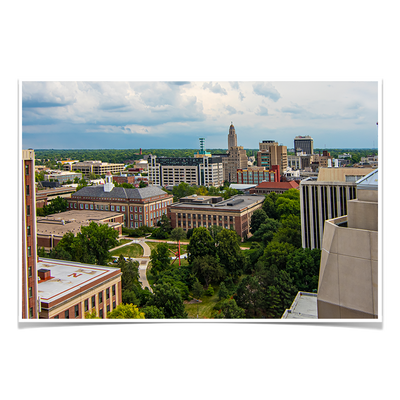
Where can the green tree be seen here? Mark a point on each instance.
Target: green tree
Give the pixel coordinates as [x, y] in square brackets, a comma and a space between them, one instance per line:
[152, 312]
[159, 258]
[201, 244]
[269, 205]
[259, 216]
[230, 310]
[290, 231]
[266, 231]
[286, 206]
[126, 311]
[165, 224]
[229, 253]
[168, 299]
[223, 291]
[214, 230]
[197, 289]
[183, 190]
[207, 269]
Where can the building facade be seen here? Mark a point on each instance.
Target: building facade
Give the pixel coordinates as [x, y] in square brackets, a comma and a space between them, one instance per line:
[265, 188]
[29, 292]
[234, 213]
[171, 171]
[235, 159]
[271, 153]
[256, 175]
[232, 137]
[94, 167]
[141, 206]
[348, 278]
[69, 289]
[304, 144]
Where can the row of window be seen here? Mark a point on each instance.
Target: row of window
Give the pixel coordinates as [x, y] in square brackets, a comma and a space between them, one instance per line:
[205, 225]
[204, 216]
[93, 304]
[135, 209]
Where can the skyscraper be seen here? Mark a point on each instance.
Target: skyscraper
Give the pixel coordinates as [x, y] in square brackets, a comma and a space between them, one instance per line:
[304, 144]
[232, 138]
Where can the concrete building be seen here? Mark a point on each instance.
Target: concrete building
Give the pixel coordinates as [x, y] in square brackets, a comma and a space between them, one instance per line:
[171, 171]
[62, 176]
[94, 167]
[326, 198]
[232, 137]
[304, 306]
[234, 213]
[348, 278]
[141, 206]
[323, 160]
[271, 153]
[68, 289]
[29, 294]
[304, 144]
[51, 229]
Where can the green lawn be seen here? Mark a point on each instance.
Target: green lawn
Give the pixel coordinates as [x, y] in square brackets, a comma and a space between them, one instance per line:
[134, 250]
[171, 246]
[206, 307]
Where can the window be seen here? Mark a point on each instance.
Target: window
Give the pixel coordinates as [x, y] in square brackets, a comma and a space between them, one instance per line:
[81, 206]
[27, 190]
[123, 208]
[107, 293]
[86, 206]
[130, 208]
[86, 305]
[113, 290]
[114, 304]
[30, 292]
[106, 207]
[140, 209]
[31, 312]
[29, 272]
[100, 297]
[56, 317]
[112, 208]
[108, 308]
[101, 207]
[29, 251]
[28, 210]
[28, 230]
[76, 311]
[101, 313]
[26, 169]
[91, 206]
[66, 314]
[131, 216]
[117, 208]
[93, 301]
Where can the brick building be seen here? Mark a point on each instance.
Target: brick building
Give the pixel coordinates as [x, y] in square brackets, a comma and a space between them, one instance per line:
[69, 289]
[234, 213]
[256, 175]
[141, 206]
[29, 295]
[52, 228]
[277, 187]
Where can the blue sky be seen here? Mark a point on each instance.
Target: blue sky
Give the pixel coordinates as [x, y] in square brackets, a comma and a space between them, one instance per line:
[73, 115]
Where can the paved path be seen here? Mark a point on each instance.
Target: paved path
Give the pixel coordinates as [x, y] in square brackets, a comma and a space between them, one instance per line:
[143, 261]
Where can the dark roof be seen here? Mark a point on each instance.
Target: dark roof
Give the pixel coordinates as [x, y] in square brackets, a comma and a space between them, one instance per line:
[119, 192]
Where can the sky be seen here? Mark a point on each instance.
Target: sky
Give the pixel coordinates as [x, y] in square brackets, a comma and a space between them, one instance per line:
[162, 114]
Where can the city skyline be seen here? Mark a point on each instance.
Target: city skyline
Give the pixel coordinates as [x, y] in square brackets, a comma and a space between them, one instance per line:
[121, 115]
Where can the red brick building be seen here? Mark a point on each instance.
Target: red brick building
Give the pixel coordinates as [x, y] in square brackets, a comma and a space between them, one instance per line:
[141, 206]
[29, 295]
[277, 187]
[234, 213]
[68, 289]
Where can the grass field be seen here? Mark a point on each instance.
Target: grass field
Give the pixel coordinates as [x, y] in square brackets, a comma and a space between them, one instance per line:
[171, 246]
[206, 307]
[133, 250]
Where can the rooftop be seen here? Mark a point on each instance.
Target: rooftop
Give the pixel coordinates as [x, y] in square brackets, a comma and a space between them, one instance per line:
[68, 277]
[120, 192]
[237, 203]
[72, 221]
[304, 306]
[278, 185]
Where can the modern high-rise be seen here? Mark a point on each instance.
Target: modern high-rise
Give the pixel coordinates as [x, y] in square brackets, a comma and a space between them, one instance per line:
[325, 198]
[29, 292]
[271, 153]
[304, 144]
[348, 277]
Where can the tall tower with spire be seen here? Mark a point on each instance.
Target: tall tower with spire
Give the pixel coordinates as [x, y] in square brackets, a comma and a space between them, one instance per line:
[232, 138]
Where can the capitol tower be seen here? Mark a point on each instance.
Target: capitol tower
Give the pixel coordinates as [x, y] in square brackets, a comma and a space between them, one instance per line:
[232, 138]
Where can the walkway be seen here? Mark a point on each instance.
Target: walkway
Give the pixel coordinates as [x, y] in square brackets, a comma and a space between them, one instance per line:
[143, 261]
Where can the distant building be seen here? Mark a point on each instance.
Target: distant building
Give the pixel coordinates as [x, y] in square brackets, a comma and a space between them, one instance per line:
[206, 171]
[235, 158]
[94, 167]
[348, 277]
[304, 144]
[265, 188]
[256, 175]
[271, 153]
[234, 213]
[62, 176]
[69, 289]
[323, 161]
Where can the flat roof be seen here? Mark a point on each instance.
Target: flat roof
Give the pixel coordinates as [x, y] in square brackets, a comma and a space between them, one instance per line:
[72, 221]
[304, 306]
[69, 277]
[236, 203]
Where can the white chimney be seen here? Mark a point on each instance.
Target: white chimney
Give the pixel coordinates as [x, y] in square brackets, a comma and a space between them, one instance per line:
[329, 163]
[336, 163]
